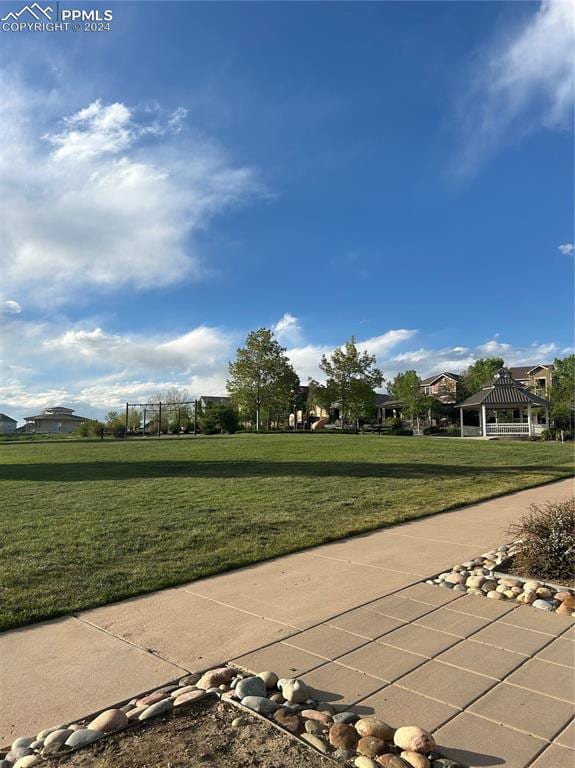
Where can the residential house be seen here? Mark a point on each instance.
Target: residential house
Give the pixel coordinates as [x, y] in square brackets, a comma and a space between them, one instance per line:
[442, 386]
[536, 378]
[54, 420]
[7, 424]
[205, 400]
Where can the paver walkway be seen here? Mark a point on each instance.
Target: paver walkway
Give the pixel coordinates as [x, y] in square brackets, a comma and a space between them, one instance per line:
[493, 680]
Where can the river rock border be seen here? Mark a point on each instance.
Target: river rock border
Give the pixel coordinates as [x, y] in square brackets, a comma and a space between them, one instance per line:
[345, 737]
[481, 576]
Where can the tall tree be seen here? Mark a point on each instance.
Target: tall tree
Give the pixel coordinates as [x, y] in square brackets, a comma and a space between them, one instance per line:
[562, 394]
[479, 374]
[262, 378]
[351, 379]
[407, 388]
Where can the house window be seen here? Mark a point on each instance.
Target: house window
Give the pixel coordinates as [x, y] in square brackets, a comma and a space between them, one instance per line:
[542, 383]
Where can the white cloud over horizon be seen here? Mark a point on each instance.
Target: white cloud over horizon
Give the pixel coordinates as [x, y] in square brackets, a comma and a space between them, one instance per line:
[522, 80]
[90, 205]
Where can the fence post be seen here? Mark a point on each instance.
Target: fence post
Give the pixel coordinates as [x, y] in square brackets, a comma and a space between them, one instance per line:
[126, 421]
[159, 419]
[195, 417]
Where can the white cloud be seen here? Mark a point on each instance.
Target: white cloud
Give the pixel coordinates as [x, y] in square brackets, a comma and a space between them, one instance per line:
[106, 200]
[522, 80]
[201, 348]
[288, 329]
[567, 249]
[10, 307]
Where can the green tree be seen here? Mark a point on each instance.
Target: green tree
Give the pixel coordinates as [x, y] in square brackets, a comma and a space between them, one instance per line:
[479, 374]
[90, 428]
[562, 393]
[262, 380]
[216, 419]
[351, 381]
[407, 388]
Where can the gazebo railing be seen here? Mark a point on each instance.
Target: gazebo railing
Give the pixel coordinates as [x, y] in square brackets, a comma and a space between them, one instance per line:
[514, 429]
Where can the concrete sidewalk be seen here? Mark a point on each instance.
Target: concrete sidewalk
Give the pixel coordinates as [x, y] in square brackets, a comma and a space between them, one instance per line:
[495, 678]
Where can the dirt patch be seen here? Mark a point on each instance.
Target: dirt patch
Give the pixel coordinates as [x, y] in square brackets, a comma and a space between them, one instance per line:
[201, 738]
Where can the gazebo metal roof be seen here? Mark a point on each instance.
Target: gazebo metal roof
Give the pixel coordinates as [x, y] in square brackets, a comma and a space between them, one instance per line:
[502, 391]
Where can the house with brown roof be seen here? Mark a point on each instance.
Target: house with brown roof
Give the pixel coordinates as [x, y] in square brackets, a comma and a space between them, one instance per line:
[537, 378]
[53, 421]
[442, 386]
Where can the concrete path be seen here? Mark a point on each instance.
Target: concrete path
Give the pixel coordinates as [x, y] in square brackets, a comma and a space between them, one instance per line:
[495, 679]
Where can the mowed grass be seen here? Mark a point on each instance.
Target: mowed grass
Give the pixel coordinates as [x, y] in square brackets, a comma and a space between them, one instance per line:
[86, 523]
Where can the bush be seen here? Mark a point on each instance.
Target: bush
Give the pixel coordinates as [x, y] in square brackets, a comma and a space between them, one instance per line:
[219, 418]
[547, 533]
[433, 430]
[401, 431]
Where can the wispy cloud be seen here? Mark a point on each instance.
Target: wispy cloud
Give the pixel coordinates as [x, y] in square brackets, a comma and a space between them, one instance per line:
[522, 80]
[567, 249]
[10, 307]
[106, 199]
[288, 329]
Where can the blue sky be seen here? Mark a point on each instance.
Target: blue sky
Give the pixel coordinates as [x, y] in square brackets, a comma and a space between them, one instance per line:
[401, 172]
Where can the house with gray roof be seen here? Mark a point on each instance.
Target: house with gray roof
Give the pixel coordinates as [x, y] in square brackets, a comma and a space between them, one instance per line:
[7, 424]
[53, 421]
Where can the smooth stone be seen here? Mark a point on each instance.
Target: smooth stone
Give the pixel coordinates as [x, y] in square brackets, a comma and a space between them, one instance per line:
[135, 713]
[455, 578]
[250, 686]
[446, 584]
[316, 742]
[239, 722]
[343, 736]
[532, 584]
[151, 698]
[191, 679]
[277, 697]
[474, 581]
[180, 690]
[188, 698]
[22, 741]
[5, 764]
[37, 744]
[321, 717]
[565, 608]
[16, 754]
[488, 585]
[365, 762]
[390, 761]
[372, 726]
[312, 726]
[159, 708]
[327, 708]
[82, 737]
[214, 677]
[48, 731]
[410, 738]
[58, 737]
[56, 748]
[460, 588]
[370, 746]
[345, 717]
[295, 691]
[495, 595]
[260, 704]
[543, 605]
[527, 597]
[509, 593]
[28, 762]
[270, 679]
[110, 720]
[291, 723]
[544, 592]
[510, 582]
[415, 759]
[561, 596]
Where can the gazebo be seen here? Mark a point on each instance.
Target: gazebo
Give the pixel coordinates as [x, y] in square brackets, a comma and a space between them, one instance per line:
[503, 393]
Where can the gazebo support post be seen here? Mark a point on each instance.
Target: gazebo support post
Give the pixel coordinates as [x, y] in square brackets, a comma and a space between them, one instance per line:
[461, 420]
[484, 420]
[547, 423]
[529, 421]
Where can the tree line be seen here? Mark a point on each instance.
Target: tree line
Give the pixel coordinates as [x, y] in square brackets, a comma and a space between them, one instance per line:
[265, 389]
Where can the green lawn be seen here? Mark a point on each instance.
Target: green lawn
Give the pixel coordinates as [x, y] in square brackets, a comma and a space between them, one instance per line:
[85, 523]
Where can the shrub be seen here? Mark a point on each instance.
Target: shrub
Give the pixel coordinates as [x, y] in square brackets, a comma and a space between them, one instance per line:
[401, 431]
[547, 533]
[433, 430]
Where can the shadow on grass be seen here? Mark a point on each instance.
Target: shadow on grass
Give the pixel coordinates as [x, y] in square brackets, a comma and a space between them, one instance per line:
[132, 470]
